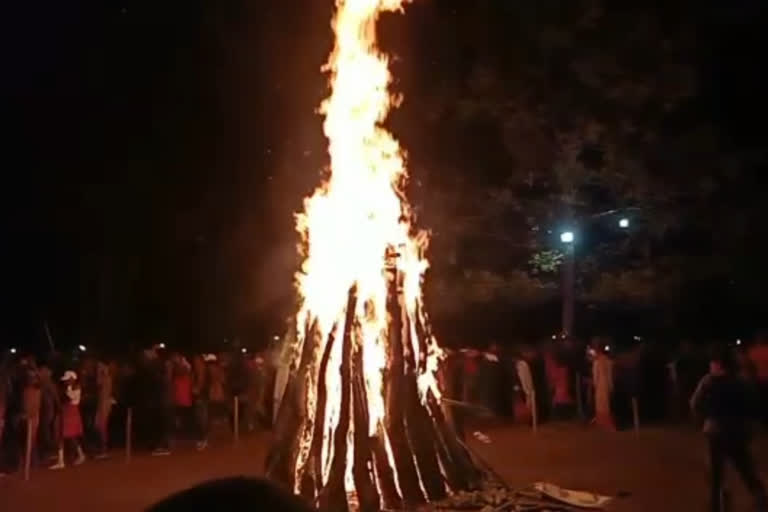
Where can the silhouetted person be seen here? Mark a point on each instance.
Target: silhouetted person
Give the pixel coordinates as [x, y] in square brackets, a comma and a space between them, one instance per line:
[725, 404]
[233, 495]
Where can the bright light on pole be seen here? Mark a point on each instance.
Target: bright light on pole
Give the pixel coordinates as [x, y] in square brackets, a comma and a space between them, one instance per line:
[624, 223]
[13, 350]
[566, 237]
[81, 347]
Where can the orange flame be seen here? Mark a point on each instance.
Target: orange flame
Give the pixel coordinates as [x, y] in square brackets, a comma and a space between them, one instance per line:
[353, 220]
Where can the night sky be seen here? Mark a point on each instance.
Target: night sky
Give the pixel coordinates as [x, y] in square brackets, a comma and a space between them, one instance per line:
[155, 152]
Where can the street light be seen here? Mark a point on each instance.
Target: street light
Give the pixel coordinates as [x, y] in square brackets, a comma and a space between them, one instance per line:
[624, 223]
[13, 350]
[81, 347]
[566, 237]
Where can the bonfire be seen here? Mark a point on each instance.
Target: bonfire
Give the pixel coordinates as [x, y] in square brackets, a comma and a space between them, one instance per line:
[360, 424]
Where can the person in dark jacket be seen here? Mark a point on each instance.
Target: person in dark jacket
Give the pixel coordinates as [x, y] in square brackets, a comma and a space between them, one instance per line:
[724, 403]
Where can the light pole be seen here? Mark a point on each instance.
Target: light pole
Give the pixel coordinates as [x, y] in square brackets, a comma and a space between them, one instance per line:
[569, 282]
[568, 238]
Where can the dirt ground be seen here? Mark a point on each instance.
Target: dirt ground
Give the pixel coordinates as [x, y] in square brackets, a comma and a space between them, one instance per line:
[660, 469]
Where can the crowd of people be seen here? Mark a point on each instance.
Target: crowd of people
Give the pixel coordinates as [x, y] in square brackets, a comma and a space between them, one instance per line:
[598, 381]
[723, 387]
[76, 408]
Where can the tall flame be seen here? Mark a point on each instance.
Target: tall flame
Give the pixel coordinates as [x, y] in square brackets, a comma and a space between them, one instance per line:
[354, 222]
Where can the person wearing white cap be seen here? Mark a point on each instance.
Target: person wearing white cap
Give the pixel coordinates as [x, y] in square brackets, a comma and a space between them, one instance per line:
[71, 422]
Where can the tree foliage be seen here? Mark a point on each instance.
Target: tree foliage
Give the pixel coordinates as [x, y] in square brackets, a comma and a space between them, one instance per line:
[557, 116]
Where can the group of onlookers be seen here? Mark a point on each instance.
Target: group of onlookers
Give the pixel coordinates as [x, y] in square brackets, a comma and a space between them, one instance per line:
[722, 386]
[598, 380]
[77, 408]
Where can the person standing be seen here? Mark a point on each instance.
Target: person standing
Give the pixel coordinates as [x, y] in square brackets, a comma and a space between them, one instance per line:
[71, 421]
[50, 412]
[255, 394]
[217, 396]
[200, 394]
[602, 378]
[525, 378]
[31, 403]
[559, 376]
[182, 394]
[104, 401]
[724, 403]
[5, 391]
[758, 355]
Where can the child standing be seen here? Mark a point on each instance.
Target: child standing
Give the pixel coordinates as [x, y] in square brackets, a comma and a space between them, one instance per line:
[71, 421]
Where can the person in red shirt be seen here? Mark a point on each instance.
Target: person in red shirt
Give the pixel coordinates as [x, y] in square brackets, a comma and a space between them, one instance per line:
[71, 421]
[182, 393]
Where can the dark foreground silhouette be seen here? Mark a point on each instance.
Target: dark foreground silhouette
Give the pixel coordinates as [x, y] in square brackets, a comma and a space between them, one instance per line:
[233, 495]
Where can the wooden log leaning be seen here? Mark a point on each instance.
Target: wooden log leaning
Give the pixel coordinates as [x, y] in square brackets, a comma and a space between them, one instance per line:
[385, 477]
[419, 426]
[459, 466]
[367, 495]
[282, 457]
[408, 478]
[314, 469]
[334, 496]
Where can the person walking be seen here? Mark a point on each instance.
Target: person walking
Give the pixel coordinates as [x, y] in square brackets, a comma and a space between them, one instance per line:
[724, 403]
